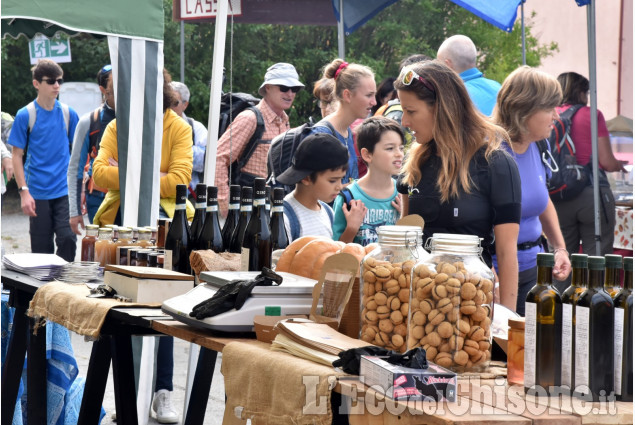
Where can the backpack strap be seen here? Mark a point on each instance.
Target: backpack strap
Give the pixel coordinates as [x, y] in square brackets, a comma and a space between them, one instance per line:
[190, 121]
[254, 141]
[548, 160]
[67, 118]
[32, 115]
[294, 223]
[347, 195]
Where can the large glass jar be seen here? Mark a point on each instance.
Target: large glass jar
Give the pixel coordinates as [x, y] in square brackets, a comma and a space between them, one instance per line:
[451, 303]
[386, 273]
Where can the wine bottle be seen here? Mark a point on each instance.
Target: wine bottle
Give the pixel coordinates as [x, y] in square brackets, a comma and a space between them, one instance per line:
[246, 198]
[256, 248]
[211, 237]
[268, 203]
[579, 279]
[178, 243]
[543, 329]
[280, 239]
[594, 320]
[199, 214]
[613, 274]
[623, 302]
[233, 215]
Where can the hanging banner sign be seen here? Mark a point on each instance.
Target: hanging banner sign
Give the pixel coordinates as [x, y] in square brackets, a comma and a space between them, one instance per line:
[206, 9]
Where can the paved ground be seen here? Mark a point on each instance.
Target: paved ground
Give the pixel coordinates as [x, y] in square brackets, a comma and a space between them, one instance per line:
[15, 238]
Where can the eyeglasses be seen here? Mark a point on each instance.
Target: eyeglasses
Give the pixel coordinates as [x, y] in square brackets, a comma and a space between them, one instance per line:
[59, 81]
[410, 76]
[284, 89]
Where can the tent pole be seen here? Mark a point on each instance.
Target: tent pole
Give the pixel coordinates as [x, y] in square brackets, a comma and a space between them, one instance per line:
[182, 52]
[522, 29]
[216, 91]
[340, 32]
[594, 121]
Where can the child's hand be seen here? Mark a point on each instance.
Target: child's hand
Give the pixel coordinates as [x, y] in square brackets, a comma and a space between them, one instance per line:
[396, 204]
[354, 215]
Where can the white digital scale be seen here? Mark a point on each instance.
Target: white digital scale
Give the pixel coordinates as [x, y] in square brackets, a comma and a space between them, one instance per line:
[293, 296]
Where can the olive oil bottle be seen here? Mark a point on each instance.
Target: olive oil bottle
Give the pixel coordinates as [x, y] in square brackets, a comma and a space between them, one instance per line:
[613, 274]
[594, 321]
[623, 302]
[543, 329]
[579, 281]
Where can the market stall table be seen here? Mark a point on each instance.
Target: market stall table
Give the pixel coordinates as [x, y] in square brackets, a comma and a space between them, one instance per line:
[479, 400]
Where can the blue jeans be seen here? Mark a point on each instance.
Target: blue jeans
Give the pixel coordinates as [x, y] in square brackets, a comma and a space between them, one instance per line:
[52, 223]
[93, 202]
[165, 364]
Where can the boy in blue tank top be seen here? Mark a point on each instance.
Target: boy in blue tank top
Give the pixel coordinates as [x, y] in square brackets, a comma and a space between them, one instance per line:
[373, 199]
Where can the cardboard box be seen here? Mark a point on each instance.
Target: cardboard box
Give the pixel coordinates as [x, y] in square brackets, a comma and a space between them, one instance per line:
[403, 383]
[147, 285]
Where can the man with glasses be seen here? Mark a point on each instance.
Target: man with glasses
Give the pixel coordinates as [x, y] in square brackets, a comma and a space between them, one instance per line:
[278, 91]
[88, 134]
[199, 133]
[44, 130]
[459, 53]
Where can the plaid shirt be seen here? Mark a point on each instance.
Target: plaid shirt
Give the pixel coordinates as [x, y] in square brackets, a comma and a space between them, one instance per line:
[242, 128]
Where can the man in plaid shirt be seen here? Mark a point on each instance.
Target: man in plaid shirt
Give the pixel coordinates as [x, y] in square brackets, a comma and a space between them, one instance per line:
[278, 93]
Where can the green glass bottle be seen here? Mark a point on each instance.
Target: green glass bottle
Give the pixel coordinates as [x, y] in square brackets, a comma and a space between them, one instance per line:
[543, 329]
[594, 320]
[613, 274]
[579, 281]
[623, 302]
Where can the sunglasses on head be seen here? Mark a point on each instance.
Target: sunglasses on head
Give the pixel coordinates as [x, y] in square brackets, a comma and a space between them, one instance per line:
[52, 82]
[284, 89]
[106, 68]
[410, 76]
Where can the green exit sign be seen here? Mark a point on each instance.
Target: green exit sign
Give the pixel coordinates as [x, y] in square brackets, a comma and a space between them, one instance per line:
[57, 48]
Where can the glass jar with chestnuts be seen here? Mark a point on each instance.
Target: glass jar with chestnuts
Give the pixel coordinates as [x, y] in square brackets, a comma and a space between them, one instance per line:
[451, 303]
[386, 273]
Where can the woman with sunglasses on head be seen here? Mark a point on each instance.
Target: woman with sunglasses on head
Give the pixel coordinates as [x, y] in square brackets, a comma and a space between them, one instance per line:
[456, 175]
[526, 108]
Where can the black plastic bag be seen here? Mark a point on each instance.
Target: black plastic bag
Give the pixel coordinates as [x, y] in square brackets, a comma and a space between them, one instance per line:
[233, 295]
[350, 359]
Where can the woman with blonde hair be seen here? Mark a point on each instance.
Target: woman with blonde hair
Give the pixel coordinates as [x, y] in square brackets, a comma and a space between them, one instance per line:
[354, 90]
[456, 176]
[526, 108]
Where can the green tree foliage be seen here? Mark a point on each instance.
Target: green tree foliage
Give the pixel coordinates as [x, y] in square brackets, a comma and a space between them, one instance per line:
[405, 28]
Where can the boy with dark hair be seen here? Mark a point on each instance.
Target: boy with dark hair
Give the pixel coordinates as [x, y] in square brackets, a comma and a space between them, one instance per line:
[44, 129]
[318, 167]
[88, 134]
[381, 143]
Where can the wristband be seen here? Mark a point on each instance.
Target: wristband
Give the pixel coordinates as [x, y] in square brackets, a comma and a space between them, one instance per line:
[555, 251]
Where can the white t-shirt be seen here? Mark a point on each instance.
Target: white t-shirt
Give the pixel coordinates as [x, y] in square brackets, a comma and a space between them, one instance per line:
[312, 223]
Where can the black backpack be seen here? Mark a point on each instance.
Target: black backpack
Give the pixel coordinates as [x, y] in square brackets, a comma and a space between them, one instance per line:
[568, 178]
[239, 102]
[283, 146]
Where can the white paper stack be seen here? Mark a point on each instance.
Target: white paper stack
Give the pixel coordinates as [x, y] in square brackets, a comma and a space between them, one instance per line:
[38, 266]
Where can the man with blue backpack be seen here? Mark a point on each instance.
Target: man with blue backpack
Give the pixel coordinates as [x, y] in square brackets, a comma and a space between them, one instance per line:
[88, 134]
[41, 138]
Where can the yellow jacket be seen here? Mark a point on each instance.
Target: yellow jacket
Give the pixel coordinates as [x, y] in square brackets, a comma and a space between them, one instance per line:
[176, 165]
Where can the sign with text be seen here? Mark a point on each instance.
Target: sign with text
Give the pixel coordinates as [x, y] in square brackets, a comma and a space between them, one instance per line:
[57, 48]
[206, 9]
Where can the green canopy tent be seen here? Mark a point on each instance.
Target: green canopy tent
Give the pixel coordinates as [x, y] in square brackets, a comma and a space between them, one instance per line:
[135, 38]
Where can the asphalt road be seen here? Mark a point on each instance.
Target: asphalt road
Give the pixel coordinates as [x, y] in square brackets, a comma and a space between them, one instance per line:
[15, 239]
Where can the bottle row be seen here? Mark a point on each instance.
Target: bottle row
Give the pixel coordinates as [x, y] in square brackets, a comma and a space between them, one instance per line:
[581, 340]
[250, 228]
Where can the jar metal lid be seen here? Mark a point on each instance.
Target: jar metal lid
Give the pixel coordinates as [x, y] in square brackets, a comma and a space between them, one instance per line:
[452, 242]
[399, 234]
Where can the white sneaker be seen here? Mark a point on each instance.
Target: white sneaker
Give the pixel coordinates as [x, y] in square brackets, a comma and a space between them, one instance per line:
[162, 406]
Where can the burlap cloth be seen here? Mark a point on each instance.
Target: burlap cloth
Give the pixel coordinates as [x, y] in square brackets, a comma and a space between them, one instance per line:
[67, 305]
[271, 387]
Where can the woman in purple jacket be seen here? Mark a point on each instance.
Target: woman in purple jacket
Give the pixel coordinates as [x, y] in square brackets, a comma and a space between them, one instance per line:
[526, 108]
